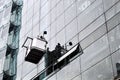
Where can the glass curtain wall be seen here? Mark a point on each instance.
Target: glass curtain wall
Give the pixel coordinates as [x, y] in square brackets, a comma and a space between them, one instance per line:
[95, 24]
[10, 64]
[5, 8]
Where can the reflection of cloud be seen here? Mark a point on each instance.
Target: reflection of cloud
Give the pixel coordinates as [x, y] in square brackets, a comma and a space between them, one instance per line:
[79, 0]
[119, 46]
[70, 1]
[2, 44]
[95, 54]
[100, 76]
[84, 5]
[112, 38]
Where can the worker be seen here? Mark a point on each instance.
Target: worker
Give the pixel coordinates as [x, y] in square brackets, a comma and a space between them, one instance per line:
[58, 51]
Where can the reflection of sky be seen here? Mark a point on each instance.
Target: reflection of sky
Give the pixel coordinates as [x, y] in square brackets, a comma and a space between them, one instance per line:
[1, 66]
[1, 3]
[3, 36]
[5, 7]
[2, 51]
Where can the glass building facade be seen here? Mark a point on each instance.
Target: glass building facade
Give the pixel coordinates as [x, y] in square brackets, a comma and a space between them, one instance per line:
[5, 10]
[94, 24]
[10, 24]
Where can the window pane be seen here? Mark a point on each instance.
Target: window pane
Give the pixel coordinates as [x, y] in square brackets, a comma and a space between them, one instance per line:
[94, 53]
[70, 14]
[61, 37]
[115, 59]
[114, 39]
[92, 27]
[77, 78]
[93, 36]
[69, 71]
[101, 71]
[90, 14]
[71, 30]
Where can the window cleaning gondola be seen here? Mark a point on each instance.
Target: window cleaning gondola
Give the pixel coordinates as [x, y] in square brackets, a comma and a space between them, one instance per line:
[36, 49]
[55, 59]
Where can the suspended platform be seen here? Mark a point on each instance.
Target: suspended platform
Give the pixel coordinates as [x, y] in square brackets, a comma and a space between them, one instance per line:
[35, 51]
